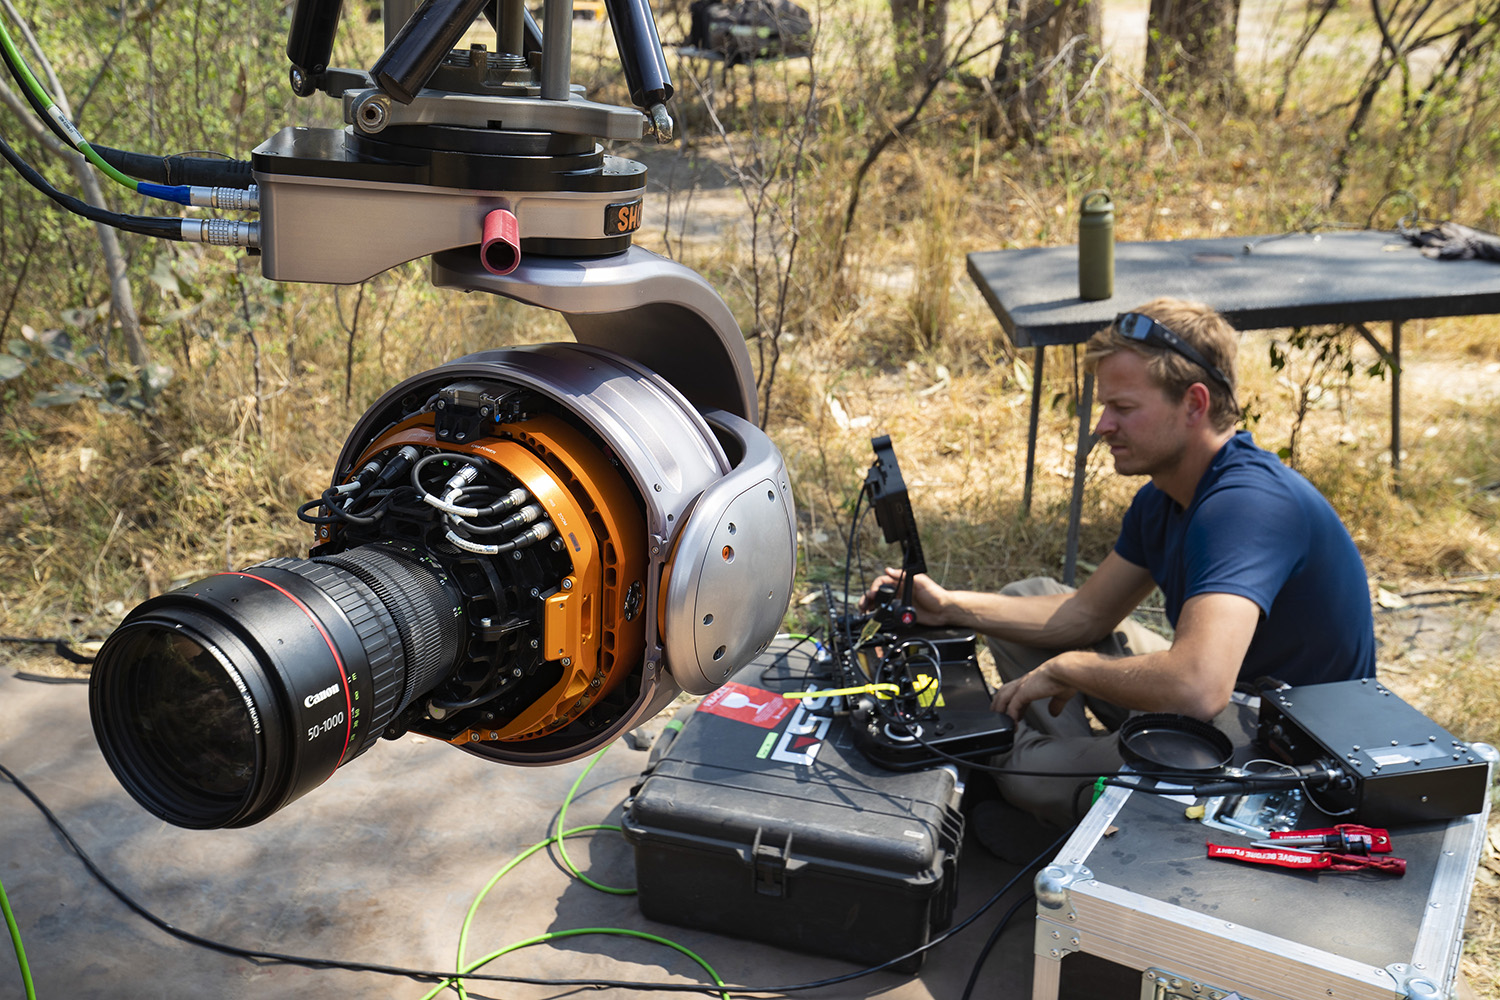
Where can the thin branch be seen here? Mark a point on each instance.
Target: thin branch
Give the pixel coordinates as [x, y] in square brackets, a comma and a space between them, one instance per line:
[107, 60]
[24, 113]
[353, 330]
[1166, 116]
[255, 366]
[41, 57]
[20, 281]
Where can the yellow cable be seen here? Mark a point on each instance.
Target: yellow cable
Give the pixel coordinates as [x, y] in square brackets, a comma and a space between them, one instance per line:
[924, 681]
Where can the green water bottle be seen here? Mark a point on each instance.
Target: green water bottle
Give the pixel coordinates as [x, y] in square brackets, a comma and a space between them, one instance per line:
[1096, 246]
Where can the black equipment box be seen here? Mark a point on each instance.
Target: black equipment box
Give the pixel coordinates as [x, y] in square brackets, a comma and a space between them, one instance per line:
[1402, 766]
[761, 820]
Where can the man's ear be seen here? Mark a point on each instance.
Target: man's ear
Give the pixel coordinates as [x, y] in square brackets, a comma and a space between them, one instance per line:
[1198, 400]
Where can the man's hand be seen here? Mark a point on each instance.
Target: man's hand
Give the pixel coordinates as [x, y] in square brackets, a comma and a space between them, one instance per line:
[1014, 696]
[930, 600]
[1194, 677]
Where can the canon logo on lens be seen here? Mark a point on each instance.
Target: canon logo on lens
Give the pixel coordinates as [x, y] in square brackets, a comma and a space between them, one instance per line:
[322, 695]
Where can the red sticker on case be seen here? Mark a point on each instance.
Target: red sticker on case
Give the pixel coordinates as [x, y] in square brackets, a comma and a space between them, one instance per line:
[747, 704]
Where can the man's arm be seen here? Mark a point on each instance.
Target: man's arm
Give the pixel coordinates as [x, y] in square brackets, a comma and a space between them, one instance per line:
[1194, 677]
[1049, 621]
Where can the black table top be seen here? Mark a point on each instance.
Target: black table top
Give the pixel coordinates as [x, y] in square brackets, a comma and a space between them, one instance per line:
[1297, 280]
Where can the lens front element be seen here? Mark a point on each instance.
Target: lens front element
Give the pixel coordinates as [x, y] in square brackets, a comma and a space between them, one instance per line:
[192, 722]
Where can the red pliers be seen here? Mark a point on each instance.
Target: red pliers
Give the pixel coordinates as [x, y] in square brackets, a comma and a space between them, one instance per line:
[1343, 848]
[1346, 838]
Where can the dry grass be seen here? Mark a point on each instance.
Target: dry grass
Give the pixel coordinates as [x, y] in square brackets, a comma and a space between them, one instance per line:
[100, 511]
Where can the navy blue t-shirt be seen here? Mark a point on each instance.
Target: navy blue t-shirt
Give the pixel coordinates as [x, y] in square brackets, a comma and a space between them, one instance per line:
[1260, 530]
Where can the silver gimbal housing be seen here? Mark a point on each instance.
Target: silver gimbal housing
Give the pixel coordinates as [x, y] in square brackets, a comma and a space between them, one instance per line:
[525, 552]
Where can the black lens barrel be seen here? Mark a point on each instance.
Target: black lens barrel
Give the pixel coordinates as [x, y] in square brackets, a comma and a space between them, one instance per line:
[428, 617]
[221, 702]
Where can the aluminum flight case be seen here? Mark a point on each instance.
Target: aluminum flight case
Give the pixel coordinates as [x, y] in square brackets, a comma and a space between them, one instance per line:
[760, 820]
[1131, 906]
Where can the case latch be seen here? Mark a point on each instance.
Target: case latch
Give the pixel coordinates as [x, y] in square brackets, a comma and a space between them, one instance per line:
[1159, 984]
[769, 863]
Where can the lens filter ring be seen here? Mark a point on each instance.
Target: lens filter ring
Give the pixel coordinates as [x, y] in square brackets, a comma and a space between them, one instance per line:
[178, 722]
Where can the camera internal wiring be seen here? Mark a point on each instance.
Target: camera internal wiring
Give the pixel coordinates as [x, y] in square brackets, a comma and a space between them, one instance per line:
[369, 495]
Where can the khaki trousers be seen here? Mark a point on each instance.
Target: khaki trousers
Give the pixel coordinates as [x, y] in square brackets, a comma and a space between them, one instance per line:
[1066, 743]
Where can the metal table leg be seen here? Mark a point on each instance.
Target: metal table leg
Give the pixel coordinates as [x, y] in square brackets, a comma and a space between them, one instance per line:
[1036, 412]
[1396, 404]
[1392, 357]
[1080, 466]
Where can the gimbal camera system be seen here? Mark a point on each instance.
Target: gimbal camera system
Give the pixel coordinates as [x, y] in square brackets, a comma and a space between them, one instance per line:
[523, 552]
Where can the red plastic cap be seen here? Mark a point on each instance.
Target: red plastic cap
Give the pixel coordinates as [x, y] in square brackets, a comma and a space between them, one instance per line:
[500, 253]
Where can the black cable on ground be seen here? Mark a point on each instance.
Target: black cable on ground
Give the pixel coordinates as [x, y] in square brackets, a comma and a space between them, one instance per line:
[432, 976]
[984, 953]
[62, 647]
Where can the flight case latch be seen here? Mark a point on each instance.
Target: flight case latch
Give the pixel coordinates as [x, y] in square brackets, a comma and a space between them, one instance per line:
[1159, 984]
[770, 863]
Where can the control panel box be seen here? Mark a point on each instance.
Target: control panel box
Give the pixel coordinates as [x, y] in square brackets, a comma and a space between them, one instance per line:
[1402, 767]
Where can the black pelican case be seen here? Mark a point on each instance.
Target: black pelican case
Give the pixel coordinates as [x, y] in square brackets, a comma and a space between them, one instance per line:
[760, 820]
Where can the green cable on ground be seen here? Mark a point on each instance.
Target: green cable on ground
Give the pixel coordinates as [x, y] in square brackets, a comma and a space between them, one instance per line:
[15, 938]
[799, 636]
[462, 966]
[463, 933]
[619, 931]
[30, 82]
[563, 851]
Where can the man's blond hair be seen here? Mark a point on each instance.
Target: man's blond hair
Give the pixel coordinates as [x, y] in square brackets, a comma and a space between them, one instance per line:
[1201, 327]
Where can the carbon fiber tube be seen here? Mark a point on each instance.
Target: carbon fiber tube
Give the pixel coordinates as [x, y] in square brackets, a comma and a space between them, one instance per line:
[641, 57]
[531, 33]
[413, 56]
[309, 41]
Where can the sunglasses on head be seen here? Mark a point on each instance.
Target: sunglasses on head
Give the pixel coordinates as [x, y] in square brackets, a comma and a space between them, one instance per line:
[1138, 326]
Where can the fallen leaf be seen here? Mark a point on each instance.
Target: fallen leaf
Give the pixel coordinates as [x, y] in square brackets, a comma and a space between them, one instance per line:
[1389, 599]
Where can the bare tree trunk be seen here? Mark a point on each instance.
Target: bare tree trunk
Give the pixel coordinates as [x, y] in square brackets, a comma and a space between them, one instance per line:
[1048, 45]
[121, 299]
[921, 27]
[1190, 46]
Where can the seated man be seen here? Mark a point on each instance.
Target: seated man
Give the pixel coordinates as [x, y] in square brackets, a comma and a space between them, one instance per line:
[1261, 578]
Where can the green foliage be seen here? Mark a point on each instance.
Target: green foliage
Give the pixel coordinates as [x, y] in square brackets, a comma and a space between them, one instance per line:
[91, 377]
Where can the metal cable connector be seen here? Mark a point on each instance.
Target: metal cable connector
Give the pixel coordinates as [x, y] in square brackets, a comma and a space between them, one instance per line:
[227, 198]
[221, 232]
